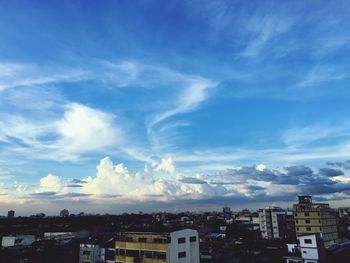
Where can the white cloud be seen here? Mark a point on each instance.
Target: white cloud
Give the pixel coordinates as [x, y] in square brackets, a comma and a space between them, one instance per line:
[50, 183]
[84, 129]
[117, 180]
[308, 134]
[196, 91]
[263, 30]
[323, 73]
[20, 75]
[80, 130]
[166, 165]
[260, 167]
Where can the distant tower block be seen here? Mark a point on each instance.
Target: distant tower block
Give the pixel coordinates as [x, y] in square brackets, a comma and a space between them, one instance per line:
[11, 214]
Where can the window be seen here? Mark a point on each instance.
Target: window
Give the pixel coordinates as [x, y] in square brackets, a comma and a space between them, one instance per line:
[320, 228]
[307, 241]
[86, 252]
[147, 254]
[182, 254]
[159, 240]
[159, 255]
[296, 221]
[308, 229]
[297, 228]
[142, 239]
[296, 214]
[132, 253]
[307, 214]
[307, 221]
[193, 239]
[181, 240]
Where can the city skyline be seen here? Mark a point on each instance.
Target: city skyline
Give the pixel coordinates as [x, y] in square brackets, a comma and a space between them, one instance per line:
[116, 106]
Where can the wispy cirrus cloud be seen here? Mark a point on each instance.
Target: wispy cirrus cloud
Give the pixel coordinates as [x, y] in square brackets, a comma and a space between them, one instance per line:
[22, 75]
[263, 30]
[323, 73]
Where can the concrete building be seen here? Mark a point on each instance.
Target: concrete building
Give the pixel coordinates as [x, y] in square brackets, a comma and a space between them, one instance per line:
[312, 218]
[175, 247]
[20, 240]
[227, 213]
[11, 214]
[309, 250]
[91, 253]
[272, 223]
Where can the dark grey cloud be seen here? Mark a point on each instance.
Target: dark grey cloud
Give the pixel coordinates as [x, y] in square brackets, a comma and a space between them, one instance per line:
[330, 172]
[299, 170]
[192, 180]
[306, 179]
[109, 195]
[250, 172]
[72, 194]
[344, 165]
[74, 185]
[78, 181]
[43, 194]
[320, 189]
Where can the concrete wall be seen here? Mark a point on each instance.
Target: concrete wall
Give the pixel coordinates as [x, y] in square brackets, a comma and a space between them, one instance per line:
[190, 248]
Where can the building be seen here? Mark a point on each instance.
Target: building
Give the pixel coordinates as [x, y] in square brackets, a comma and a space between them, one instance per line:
[20, 240]
[175, 247]
[91, 253]
[11, 214]
[310, 249]
[312, 218]
[227, 213]
[272, 223]
[64, 213]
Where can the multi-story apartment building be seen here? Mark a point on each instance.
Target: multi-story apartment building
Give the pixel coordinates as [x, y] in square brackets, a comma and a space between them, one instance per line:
[312, 218]
[175, 247]
[90, 253]
[310, 249]
[272, 222]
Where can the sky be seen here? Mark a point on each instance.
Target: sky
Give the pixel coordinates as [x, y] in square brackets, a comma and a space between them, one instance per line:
[124, 106]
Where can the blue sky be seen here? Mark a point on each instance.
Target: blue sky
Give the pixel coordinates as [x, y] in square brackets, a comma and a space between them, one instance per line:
[171, 104]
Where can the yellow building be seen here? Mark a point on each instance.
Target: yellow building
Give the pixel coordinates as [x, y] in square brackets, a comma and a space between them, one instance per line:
[175, 247]
[312, 218]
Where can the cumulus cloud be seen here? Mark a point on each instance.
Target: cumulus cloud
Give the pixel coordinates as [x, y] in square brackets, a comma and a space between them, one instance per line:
[50, 183]
[116, 179]
[116, 182]
[166, 165]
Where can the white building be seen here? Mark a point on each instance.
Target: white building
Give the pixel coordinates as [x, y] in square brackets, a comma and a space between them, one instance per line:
[175, 247]
[91, 253]
[309, 250]
[272, 223]
[22, 240]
